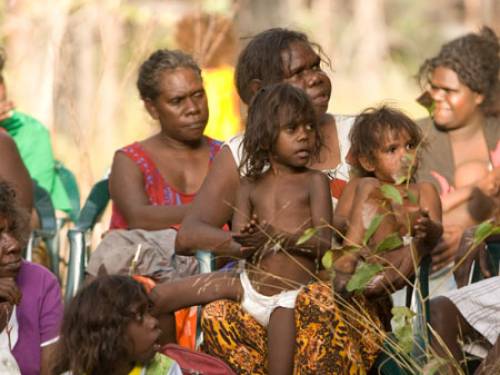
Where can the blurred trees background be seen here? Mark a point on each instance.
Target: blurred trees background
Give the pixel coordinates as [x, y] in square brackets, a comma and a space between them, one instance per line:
[73, 63]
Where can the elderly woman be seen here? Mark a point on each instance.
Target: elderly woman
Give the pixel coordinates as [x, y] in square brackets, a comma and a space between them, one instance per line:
[30, 297]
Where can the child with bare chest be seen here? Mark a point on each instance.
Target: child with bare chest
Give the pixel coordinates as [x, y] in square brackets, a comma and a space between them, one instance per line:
[398, 214]
[280, 190]
[279, 198]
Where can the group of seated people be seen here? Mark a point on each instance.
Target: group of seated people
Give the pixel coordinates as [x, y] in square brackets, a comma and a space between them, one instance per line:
[296, 211]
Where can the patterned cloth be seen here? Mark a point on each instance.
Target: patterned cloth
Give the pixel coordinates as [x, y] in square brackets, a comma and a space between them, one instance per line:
[159, 191]
[479, 304]
[330, 339]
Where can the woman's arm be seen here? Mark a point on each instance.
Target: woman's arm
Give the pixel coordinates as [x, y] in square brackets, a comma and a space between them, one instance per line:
[126, 184]
[211, 209]
[12, 170]
[195, 290]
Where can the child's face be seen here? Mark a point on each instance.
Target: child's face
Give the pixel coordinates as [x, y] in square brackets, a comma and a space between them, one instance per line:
[395, 156]
[143, 333]
[294, 145]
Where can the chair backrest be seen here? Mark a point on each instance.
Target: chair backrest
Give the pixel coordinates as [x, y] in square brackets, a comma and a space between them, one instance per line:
[493, 259]
[70, 185]
[44, 209]
[94, 206]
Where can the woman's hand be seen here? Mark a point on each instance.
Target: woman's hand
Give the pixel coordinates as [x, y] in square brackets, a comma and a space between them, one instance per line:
[9, 291]
[468, 253]
[253, 236]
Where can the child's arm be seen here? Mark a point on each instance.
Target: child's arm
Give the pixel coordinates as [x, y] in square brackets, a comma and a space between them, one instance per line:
[428, 227]
[344, 206]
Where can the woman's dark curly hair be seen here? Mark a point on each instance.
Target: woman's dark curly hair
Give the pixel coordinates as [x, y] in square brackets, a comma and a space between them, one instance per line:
[474, 58]
[370, 129]
[17, 217]
[261, 59]
[93, 334]
[150, 71]
[274, 107]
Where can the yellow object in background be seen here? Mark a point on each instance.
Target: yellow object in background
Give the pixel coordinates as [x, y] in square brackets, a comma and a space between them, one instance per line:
[223, 103]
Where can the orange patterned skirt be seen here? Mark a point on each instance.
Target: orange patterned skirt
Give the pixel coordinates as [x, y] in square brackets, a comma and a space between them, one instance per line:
[333, 336]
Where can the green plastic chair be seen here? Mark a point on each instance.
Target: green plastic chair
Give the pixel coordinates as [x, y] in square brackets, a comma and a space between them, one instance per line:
[70, 185]
[48, 228]
[79, 249]
[90, 214]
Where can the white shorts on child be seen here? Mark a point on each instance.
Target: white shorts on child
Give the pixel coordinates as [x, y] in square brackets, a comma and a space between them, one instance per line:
[261, 306]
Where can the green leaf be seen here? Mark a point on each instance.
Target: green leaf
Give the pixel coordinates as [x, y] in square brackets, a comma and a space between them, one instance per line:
[400, 180]
[362, 276]
[372, 228]
[482, 231]
[392, 193]
[306, 236]
[412, 197]
[327, 260]
[391, 242]
[401, 322]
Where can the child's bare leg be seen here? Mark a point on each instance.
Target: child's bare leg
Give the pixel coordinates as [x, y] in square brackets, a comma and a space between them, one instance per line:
[281, 341]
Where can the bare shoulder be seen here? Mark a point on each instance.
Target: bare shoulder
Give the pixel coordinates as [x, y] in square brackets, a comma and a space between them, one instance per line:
[316, 177]
[6, 140]
[426, 188]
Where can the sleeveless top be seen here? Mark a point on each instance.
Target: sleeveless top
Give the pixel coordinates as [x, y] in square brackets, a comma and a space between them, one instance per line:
[338, 176]
[159, 191]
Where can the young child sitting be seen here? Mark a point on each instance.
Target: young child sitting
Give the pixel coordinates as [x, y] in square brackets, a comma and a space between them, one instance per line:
[384, 144]
[108, 329]
[281, 138]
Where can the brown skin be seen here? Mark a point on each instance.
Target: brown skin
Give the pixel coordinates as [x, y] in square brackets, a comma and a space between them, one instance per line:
[10, 295]
[213, 205]
[178, 150]
[457, 109]
[363, 196]
[424, 221]
[6, 105]
[143, 334]
[13, 170]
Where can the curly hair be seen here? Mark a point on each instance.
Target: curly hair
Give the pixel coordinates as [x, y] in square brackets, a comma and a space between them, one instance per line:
[272, 108]
[370, 129]
[150, 71]
[93, 334]
[17, 217]
[261, 59]
[474, 58]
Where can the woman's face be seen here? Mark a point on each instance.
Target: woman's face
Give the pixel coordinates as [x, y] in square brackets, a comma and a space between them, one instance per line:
[302, 69]
[181, 107]
[455, 104]
[10, 250]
